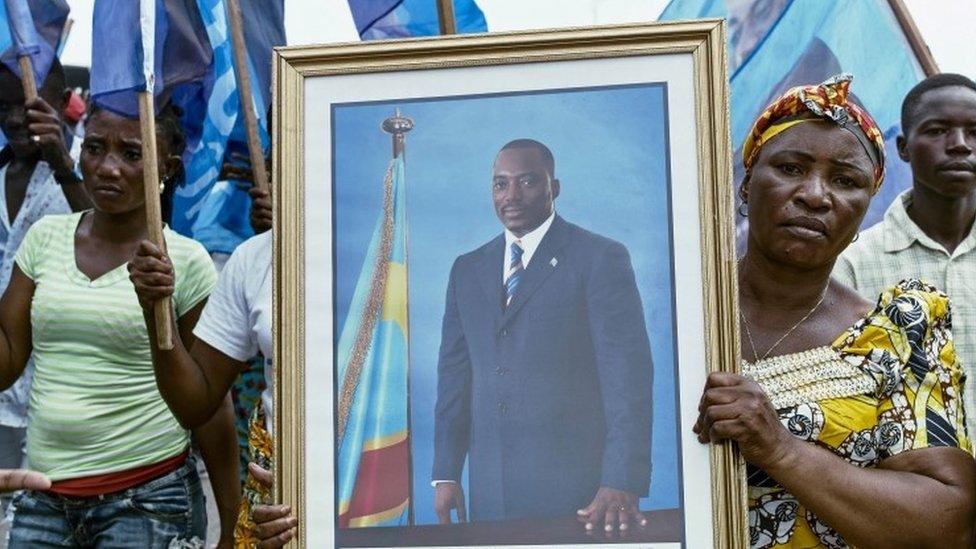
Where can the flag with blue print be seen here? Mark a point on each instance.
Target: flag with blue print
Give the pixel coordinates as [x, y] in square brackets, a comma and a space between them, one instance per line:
[774, 45]
[213, 211]
[373, 436]
[31, 29]
[379, 19]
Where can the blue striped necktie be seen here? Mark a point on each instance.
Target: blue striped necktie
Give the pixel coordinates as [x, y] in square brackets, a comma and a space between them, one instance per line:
[514, 273]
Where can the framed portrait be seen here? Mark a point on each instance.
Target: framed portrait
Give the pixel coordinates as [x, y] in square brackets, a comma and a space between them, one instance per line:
[504, 269]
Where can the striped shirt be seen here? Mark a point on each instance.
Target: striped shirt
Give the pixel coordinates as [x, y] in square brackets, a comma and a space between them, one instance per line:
[94, 405]
[896, 249]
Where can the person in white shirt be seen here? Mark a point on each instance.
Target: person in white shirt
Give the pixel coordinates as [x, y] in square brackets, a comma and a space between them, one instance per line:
[234, 326]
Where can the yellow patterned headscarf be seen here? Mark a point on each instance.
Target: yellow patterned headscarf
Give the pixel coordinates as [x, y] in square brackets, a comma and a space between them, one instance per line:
[827, 101]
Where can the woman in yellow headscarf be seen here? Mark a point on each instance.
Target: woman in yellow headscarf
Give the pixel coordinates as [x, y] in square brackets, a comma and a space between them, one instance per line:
[848, 412]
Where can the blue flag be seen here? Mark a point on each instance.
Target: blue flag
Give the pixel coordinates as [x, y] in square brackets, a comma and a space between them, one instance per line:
[31, 28]
[178, 56]
[211, 211]
[379, 19]
[793, 42]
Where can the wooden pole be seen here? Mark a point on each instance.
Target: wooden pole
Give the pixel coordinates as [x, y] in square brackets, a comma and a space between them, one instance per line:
[914, 37]
[162, 310]
[65, 33]
[27, 79]
[258, 168]
[445, 15]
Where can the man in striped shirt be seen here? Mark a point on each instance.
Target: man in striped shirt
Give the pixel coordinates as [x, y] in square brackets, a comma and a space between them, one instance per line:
[927, 231]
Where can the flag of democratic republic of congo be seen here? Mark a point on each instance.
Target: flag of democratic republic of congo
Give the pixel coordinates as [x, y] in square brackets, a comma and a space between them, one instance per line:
[374, 447]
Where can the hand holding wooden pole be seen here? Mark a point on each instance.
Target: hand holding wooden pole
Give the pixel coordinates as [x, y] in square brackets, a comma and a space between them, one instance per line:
[241, 70]
[154, 222]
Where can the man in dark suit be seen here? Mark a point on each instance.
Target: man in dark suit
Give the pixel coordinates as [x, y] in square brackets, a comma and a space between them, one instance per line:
[544, 375]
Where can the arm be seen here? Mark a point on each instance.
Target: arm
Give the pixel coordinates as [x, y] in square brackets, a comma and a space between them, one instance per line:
[452, 413]
[192, 386]
[217, 441]
[45, 124]
[15, 327]
[920, 498]
[623, 356]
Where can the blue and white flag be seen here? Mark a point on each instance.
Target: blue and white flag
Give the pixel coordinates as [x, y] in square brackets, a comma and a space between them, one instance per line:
[793, 42]
[216, 213]
[379, 19]
[31, 28]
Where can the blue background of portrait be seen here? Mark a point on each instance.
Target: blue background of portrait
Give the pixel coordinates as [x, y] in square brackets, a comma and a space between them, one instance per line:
[611, 149]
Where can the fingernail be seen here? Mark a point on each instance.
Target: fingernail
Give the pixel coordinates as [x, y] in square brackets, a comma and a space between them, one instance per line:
[643, 522]
[580, 512]
[287, 508]
[623, 526]
[589, 525]
[608, 528]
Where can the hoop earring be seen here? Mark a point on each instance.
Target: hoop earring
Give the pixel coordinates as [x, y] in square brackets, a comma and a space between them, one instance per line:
[858, 235]
[742, 212]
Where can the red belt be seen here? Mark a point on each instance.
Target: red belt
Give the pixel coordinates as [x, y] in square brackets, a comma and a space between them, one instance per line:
[109, 483]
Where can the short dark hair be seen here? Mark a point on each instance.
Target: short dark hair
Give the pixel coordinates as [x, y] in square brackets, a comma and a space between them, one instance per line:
[934, 82]
[526, 143]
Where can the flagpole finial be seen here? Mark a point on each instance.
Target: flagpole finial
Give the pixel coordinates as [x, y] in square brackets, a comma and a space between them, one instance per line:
[398, 125]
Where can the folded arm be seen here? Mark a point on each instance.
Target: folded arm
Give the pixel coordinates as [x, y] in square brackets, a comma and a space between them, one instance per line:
[916, 499]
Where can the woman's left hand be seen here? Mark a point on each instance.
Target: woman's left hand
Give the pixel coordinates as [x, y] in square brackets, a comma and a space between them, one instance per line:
[151, 272]
[734, 407]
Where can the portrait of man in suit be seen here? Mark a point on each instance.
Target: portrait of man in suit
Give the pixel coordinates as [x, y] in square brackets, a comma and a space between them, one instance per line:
[544, 375]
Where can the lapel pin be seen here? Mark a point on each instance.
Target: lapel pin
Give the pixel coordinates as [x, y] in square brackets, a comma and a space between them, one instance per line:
[553, 262]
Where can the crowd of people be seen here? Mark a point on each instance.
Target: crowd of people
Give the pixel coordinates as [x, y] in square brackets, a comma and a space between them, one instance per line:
[855, 371]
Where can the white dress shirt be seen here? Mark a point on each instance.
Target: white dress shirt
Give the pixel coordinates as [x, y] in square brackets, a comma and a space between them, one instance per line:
[528, 242]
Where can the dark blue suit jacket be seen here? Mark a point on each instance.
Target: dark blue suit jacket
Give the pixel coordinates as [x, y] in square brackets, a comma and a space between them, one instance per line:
[549, 398]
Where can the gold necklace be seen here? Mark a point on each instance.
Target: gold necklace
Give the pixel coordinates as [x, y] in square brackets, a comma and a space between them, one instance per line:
[752, 344]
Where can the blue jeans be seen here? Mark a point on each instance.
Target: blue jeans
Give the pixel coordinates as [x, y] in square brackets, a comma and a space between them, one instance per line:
[166, 512]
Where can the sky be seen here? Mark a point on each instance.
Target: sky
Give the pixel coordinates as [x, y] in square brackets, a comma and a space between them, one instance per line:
[946, 25]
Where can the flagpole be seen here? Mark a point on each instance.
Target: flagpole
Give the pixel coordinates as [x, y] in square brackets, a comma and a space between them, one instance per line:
[65, 33]
[445, 15]
[241, 70]
[27, 79]
[18, 15]
[150, 165]
[914, 37]
[398, 126]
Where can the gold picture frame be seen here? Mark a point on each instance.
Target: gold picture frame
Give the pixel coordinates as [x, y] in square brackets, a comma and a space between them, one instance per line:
[699, 45]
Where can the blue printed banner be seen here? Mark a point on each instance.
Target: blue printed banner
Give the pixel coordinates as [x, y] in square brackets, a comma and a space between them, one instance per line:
[378, 19]
[795, 42]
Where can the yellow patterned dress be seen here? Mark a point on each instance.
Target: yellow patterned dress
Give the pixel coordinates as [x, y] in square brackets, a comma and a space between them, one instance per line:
[889, 384]
[261, 452]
